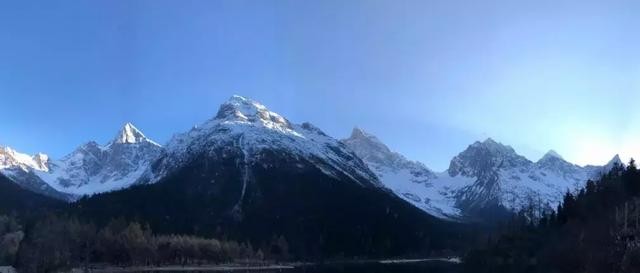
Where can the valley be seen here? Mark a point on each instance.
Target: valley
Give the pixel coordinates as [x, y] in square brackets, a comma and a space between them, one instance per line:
[250, 184]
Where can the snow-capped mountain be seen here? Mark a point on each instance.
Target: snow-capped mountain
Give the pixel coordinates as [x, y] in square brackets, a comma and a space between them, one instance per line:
[22, 168]
[10, 158]
[485, 174]
[91, 168]
[247, 142]
[94, 168]
[251, 173]
[410, 180]
[249, 128]
[501, 176]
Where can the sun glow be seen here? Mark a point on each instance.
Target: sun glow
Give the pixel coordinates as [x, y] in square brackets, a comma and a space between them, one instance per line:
[592, 150]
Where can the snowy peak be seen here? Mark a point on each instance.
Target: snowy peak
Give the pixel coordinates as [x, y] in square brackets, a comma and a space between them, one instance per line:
[552, 162]
[552, 158]
[551, 154]
[129, 134]
[41, 160]
[244, 110]
[94, 168]
[485, 158]
[10, 158]
[358, 133]
[246, 127]
[409, 180]
[494, 147]
[368, 147]
[615, 160]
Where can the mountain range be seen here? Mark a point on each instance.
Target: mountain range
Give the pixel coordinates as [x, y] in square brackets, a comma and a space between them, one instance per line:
[91, 168]
[246, 144]
[251, 175]
[486, 174]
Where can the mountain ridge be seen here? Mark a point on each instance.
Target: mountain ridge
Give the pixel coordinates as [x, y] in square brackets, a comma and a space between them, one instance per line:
[487, 172]
[90, 168]
[250, 173]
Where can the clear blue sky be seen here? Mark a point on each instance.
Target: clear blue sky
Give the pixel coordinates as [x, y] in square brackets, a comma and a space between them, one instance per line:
[427, 77]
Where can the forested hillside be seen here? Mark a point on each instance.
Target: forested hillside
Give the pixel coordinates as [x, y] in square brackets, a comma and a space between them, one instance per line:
[594, 230]
[320, 217]
[14, 199]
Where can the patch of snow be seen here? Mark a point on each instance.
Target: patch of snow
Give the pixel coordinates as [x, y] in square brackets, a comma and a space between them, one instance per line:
[261, 129]
[10, 158]
[91, 168]
[409, 180]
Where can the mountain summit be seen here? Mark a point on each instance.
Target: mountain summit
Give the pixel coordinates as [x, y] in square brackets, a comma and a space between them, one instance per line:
[248, 128]
[23, 169]
[91, 168]
[410, 180]
[484, 159]
[241, 109]
[250, 173]
[245, 149]
[486, 175]
[551, 154]
[10, 158]
[131, 135]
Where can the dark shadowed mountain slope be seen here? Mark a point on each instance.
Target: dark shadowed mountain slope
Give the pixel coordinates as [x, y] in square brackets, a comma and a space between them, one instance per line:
[250, 174]
[14, 198]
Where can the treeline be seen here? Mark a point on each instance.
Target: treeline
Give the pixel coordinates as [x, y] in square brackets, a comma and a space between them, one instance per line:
[60, 242]
[10, 237]
[594, 230]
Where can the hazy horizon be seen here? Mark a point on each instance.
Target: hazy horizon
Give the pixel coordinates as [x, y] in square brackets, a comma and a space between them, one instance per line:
[427, 78]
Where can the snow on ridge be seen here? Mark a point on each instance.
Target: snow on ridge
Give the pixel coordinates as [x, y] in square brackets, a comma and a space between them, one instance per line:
[10, 158]
[90, 168]
[94, 168]
[260, 128]
[516, 181]
[484, 170]
[129, 134]
[552, 154]
[409, 180]
[239, 109]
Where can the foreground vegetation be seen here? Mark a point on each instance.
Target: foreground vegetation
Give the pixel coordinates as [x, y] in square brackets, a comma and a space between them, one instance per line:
[594, 230]
[63, 242]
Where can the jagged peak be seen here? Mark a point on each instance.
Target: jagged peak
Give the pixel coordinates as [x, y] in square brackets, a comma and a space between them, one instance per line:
[369, 148]
[359, 133]
[89, 144]
[242, 109]
[6, 149]
[13, 152]
[481, 155]
[493, 146]
[367, 144]
[551, 154]
[41, 156]
[614, 160]
[490, 141]
[9, 157]
[361, 136]
[129, 134]
[41, 160]
[310, 127]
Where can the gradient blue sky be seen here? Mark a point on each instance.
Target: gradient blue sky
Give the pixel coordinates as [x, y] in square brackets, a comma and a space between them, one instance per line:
[426, 77]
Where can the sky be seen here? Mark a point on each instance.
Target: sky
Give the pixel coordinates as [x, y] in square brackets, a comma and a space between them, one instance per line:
[427, 77]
